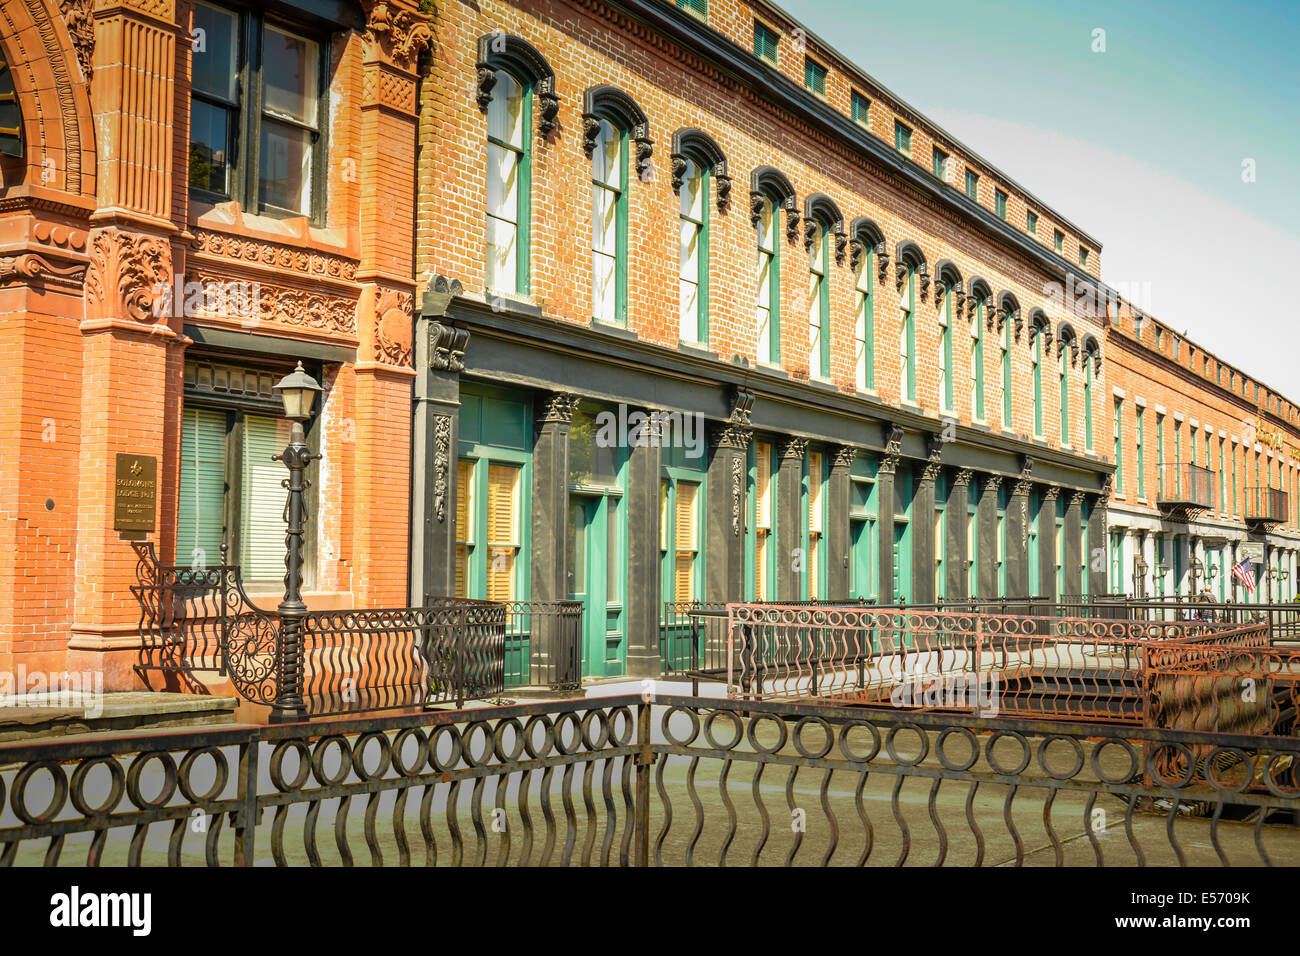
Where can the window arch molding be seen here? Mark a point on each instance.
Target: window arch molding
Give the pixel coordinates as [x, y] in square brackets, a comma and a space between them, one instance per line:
[768, 182]
[1009, 311]
[1066, 336]
[497, 51]
[820, 210]
[978, 290]
[908, 255]
[864, 234]
[697, 145]
[1040, 324]
[1092, 352]
[611, 103]
[948, 276]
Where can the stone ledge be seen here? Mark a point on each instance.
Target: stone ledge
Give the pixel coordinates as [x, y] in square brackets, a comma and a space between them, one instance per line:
[56, 714]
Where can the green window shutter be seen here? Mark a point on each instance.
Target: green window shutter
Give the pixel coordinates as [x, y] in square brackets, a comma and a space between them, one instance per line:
[201, 518]
[860, 107]
[814, 76]
[972, 184]
[262, 533]
[765, 41]
[695, 6]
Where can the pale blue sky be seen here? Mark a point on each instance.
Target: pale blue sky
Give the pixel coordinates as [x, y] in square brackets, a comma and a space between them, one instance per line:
[1141, 145]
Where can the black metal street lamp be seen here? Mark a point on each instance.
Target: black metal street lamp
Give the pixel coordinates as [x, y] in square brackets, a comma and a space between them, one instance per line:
[298, 393]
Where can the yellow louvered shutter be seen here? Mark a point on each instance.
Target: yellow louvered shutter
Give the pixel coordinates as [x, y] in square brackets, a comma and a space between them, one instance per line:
[503, 543]
[684, 577]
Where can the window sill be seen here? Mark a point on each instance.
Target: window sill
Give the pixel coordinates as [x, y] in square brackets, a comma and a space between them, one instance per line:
[610, 328]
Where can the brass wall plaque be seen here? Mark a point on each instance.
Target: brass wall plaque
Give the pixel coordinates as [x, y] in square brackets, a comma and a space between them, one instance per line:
[135, 488]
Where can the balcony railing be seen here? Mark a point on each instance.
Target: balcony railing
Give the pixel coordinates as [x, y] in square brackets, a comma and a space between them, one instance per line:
[1266, 505]
[1185, 487]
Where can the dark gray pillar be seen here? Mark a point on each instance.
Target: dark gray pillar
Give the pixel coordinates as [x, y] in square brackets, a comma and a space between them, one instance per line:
[792, 562]
[1017, 556]
[439, 360]
[923, 543]
[1047, 543]
[839, 543]
[1098, 552]
[958, 571]
[986, 548]
[645, 590]
[1074, 545]
[550, 545]
[725, 541]
[885, 523]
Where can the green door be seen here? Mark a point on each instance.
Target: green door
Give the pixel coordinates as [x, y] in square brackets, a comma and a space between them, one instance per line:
[603, 650]
[864, 539]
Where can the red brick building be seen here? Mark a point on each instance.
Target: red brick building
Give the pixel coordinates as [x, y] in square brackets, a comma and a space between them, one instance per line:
[195, 197]
[700, 209]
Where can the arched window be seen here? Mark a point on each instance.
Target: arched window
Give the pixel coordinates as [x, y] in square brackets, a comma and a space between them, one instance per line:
[867, 249]
[978, 301]
[909, 266]
[770, 192]
[1067, 352]
[1008, 315]
[612, 123]
[1091, 366]
[697, 163]
[514, 82]
[1040, 330]
[821, 218]
[948, 296]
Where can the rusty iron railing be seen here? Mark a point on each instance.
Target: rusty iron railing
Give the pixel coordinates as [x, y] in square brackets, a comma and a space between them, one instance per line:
[196, 620]
[625, 781]
[1017, 664]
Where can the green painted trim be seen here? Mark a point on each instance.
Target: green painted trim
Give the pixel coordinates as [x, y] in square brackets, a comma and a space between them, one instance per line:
[1064, 386]
[979, 361]
[1007, 380]
[948, 373]
[774, 280]
[910, 334]
[868, 265]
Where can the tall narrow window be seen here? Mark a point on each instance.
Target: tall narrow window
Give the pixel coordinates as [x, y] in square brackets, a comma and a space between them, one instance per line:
[1036, 357]
[814, 76]
[1088, 366]
[692, 252]
[972, 184]
[1140, 426]
[977, 362]
[907, 335]
[1031, 223]
[1007, 422]
[1000, 203]
[508, 189]
[1223, 503]
[946, 372]
[819, 304]
[1160, 455]
[1119, 446]
[767, 310]
[1063, 367]
[609, 224]
[502, 530]
[864, 322]
[940, 164]
[214, 103]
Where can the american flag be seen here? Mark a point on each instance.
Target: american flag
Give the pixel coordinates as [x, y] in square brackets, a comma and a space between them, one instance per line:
[1245, 573]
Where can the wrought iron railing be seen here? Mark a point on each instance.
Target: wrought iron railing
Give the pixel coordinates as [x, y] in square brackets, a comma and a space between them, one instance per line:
[1185, 484]
[194, 620]
[1266, 505]
[623, 781]
[543, 644]
[1079, 668]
